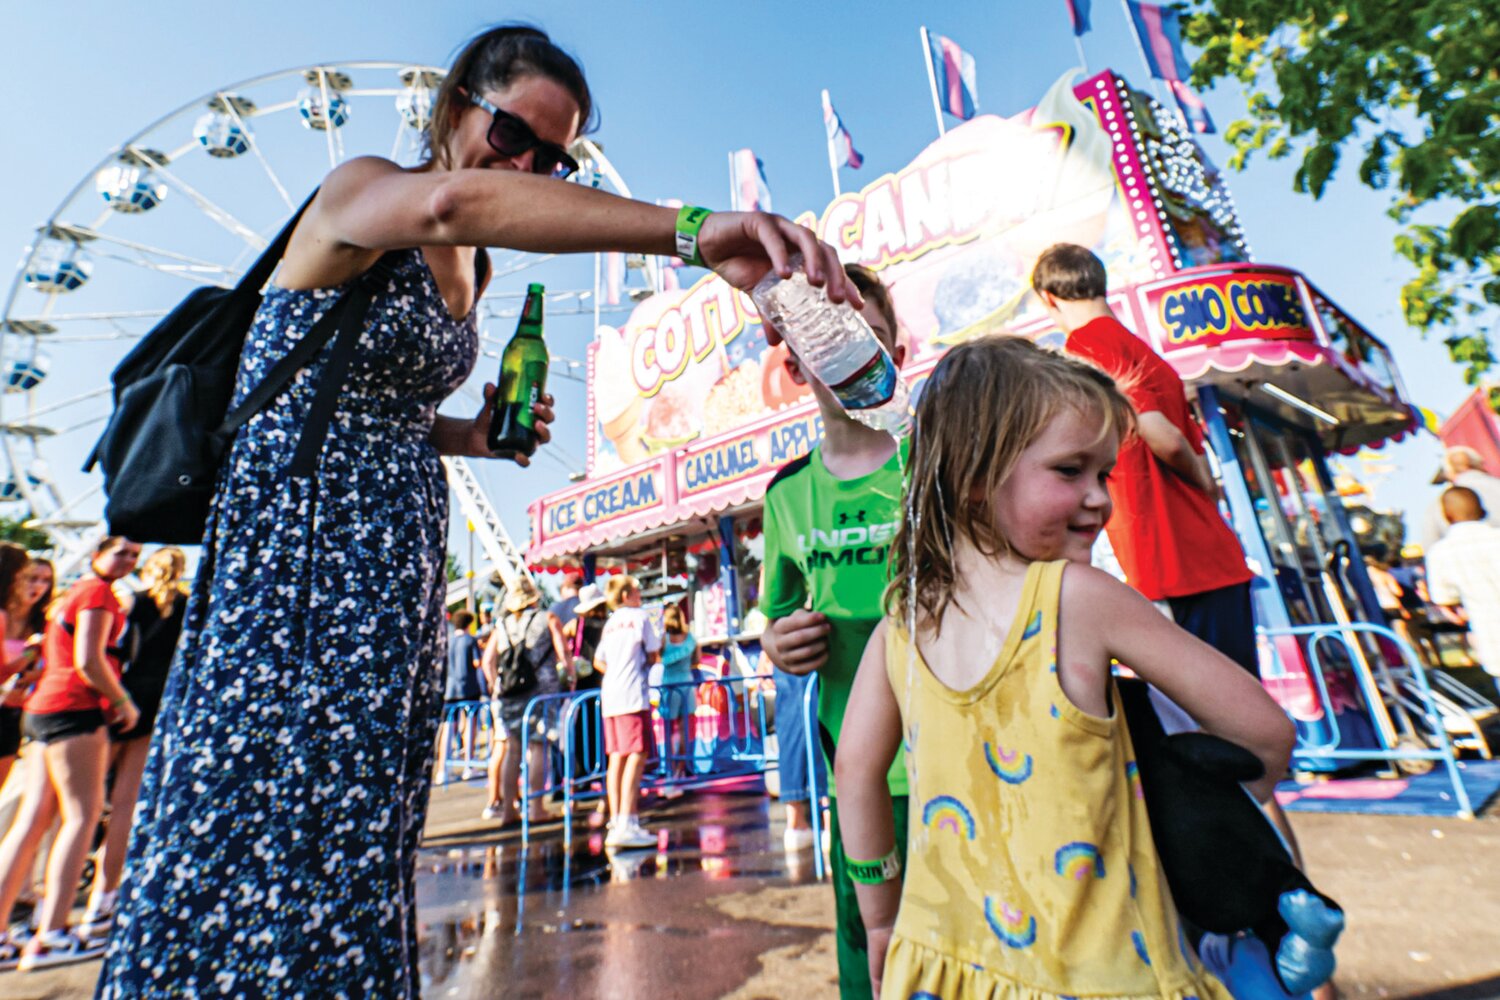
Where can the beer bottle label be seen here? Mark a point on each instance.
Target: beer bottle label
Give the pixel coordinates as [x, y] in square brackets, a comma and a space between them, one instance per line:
[528, 392]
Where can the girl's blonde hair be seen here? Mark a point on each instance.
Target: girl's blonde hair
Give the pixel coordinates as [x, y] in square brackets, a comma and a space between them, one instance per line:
[986, 402]
[673, 620]
[617, 587]
[162, 575]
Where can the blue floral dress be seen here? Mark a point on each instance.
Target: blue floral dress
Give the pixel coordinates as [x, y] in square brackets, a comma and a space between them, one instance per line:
[275, 843]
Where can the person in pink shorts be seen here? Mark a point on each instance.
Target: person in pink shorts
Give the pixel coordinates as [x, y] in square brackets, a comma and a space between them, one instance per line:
[630, 644]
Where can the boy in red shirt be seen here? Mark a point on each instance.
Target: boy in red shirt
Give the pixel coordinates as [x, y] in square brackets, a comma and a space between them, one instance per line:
[1166, 531]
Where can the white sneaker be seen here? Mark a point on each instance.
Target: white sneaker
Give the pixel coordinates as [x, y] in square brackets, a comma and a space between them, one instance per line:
[57, 948]
[671, 792]
[628, 833]
[797, 838]
[492, 811]
[99, 919]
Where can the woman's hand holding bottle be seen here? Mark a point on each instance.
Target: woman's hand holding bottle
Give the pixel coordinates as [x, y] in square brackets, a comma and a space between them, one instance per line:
[742, 246]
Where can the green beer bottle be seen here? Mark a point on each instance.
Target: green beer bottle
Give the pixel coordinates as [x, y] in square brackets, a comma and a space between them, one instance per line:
[523, 379]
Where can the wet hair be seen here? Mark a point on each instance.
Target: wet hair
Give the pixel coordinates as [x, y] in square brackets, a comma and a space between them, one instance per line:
[1019, 389]
[462, 620]
[494, 60]
[873, 289]
[673, 620]
[162, 575]
[13, 561]
[36, 615]
[1070, 272]
[619, 586]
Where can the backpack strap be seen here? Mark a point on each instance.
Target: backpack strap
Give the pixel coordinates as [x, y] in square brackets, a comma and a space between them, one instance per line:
[343, 323]
[260, 272]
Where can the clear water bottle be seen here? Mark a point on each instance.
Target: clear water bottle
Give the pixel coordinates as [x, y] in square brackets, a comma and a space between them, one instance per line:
[837, 347]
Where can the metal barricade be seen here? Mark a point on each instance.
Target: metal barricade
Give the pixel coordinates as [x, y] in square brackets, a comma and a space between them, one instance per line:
[547, 718]
[461, 718]
[575, 721]
[1411, 670]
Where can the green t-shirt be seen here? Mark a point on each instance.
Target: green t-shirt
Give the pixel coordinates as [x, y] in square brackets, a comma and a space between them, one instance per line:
[826, 545]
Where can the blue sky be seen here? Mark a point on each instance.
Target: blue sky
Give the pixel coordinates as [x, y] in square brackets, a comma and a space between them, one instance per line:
[679, 85]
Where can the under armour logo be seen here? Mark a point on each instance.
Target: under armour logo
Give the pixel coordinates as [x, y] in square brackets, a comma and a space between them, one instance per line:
[844, 517]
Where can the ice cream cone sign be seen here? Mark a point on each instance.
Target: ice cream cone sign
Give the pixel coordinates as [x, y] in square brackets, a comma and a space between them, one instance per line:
[617, 403]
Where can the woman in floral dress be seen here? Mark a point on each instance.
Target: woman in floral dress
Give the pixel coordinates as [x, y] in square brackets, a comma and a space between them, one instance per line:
[285, 794]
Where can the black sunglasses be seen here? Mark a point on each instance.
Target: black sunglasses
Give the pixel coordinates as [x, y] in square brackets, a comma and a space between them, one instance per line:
[509, 135]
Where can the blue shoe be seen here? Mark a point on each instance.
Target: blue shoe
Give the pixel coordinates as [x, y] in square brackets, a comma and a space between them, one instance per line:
[1305, 959]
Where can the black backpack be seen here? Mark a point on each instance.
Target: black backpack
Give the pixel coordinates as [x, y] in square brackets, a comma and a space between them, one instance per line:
[169, 432]
[516, 674]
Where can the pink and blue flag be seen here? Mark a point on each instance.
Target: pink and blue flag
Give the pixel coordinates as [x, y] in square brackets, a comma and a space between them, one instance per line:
[842, 143]
[747, 182]
[1160, 32]
[1078, 13]
[953, 74]
[1194, 111]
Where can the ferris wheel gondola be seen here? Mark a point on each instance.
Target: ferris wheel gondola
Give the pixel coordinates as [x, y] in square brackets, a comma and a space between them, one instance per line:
[191, 200]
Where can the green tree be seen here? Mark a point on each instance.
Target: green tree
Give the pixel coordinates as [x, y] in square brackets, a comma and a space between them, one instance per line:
[452, 568]
[1409, 87]
[14, 530]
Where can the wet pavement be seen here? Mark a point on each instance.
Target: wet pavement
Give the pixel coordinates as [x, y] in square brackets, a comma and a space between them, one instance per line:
[589, 922]
[718, 909]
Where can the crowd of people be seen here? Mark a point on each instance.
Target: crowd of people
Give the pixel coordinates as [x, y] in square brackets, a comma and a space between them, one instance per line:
[973, 751]
[84, 676]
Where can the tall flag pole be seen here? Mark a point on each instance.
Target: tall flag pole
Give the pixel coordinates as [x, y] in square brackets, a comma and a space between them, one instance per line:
[833, 157]
[1140, 46]
[1158, 33]
[841, 151]
[937, 108]
[1078, 14]
[748, 191]
[952, 71]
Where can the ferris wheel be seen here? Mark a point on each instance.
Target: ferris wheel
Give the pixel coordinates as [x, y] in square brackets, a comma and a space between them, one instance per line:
[192, 199]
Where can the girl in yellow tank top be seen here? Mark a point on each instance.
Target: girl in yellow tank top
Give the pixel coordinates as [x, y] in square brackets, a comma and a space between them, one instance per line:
[1032, 873]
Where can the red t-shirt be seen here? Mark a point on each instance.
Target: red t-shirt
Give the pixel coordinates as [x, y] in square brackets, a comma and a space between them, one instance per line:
[62, 688]
[1168, 535]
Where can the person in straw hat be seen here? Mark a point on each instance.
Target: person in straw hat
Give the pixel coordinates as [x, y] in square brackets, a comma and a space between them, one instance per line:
[520, 661]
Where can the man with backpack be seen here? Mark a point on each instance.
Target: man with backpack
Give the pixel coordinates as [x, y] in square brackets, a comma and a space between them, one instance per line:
[520, 662]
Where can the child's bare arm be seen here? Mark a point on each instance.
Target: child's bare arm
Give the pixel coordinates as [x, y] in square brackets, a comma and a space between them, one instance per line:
[868, 742]
[1103, 613]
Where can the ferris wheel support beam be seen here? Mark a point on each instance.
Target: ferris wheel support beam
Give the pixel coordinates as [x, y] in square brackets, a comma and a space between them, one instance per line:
[220, 215]
[486, 521]
[234, 115]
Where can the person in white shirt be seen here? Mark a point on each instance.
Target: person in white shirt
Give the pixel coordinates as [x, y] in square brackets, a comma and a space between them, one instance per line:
[1462, 466]
[630, 644]
[1464, 568]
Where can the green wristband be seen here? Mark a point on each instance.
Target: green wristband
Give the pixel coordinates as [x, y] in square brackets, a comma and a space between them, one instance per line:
[881, 870]
[689, 221]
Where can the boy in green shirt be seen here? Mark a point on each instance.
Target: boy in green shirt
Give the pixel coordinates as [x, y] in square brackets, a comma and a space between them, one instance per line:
[829, 520]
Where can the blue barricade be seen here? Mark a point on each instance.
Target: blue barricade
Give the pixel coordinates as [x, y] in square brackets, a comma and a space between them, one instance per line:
[465, 739]
[725, 713]
[1328, 744]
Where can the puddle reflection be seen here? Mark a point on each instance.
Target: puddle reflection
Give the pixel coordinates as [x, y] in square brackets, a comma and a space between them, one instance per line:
[476, 901]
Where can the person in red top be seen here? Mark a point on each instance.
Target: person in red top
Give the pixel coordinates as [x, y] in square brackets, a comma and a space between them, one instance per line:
[1167, 533]
[79, 693]
[1172, 543]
